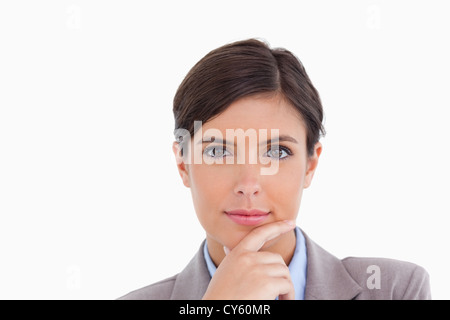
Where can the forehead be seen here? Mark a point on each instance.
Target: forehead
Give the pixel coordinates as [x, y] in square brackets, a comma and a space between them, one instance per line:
[260, 112]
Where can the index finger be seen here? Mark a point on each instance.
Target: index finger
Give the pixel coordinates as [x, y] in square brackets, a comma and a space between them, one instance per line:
[259, 236]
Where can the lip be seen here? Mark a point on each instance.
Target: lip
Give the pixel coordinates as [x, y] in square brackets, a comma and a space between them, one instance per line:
[247, 217]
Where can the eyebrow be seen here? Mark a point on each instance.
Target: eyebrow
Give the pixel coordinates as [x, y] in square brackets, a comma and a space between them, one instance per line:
[280, 139]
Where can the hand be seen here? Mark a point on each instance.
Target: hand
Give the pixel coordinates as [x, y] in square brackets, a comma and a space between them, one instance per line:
[247, 273]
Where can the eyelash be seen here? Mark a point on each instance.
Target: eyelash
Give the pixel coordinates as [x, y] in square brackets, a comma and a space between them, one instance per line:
[282, 148]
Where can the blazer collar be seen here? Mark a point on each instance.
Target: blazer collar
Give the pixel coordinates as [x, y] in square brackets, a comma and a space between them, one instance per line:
[326, 277]
[192, 282]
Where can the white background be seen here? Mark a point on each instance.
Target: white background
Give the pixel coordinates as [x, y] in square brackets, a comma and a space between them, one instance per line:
[91, 203]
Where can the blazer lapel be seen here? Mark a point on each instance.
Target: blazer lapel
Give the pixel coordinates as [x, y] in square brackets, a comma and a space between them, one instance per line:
[192, 282]
[326, 276]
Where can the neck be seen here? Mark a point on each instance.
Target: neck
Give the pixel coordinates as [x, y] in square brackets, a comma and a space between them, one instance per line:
[284, 245]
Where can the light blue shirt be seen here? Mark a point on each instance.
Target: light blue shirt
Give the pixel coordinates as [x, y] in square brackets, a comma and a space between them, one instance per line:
[297, 266]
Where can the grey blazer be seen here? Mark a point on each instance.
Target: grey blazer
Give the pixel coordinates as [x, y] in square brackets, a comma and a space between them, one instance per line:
[328, 278]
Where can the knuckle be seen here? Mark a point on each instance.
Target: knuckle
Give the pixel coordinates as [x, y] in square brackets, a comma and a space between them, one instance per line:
[267, 285]
[284, 269]
[290, 286]
[246, 259]
[276, 257]
[258, 233]
[279, 258]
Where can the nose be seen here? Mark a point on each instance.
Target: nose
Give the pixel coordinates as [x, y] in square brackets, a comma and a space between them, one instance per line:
[248, 180]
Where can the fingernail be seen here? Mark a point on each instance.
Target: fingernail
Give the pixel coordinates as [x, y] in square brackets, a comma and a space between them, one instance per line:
[290, 222]
[226, 250]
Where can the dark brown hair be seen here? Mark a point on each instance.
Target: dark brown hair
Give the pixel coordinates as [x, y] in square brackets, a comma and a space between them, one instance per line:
[241, 69]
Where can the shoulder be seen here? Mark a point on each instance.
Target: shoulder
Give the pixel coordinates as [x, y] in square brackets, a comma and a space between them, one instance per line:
[383, 278]
[189, 284]
[161, 290]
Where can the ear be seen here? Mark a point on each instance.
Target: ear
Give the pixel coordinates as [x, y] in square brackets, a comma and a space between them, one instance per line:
[182, 167]
[313, 161]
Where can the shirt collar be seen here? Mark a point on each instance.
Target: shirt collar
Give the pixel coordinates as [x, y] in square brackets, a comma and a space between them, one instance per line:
[297, 266]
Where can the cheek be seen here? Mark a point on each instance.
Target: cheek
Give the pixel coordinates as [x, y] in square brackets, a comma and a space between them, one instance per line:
[285, 190]
[208, 188]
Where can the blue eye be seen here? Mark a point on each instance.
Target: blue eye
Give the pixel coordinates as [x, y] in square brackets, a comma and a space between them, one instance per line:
[278, 151]
[218, 151]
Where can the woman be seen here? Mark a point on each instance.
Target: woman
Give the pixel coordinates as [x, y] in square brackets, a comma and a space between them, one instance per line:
[248, 207]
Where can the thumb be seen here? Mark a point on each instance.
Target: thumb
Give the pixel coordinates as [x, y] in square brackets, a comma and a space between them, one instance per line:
[226, 250]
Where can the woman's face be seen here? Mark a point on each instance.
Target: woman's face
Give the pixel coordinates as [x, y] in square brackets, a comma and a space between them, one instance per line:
[218, 188]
